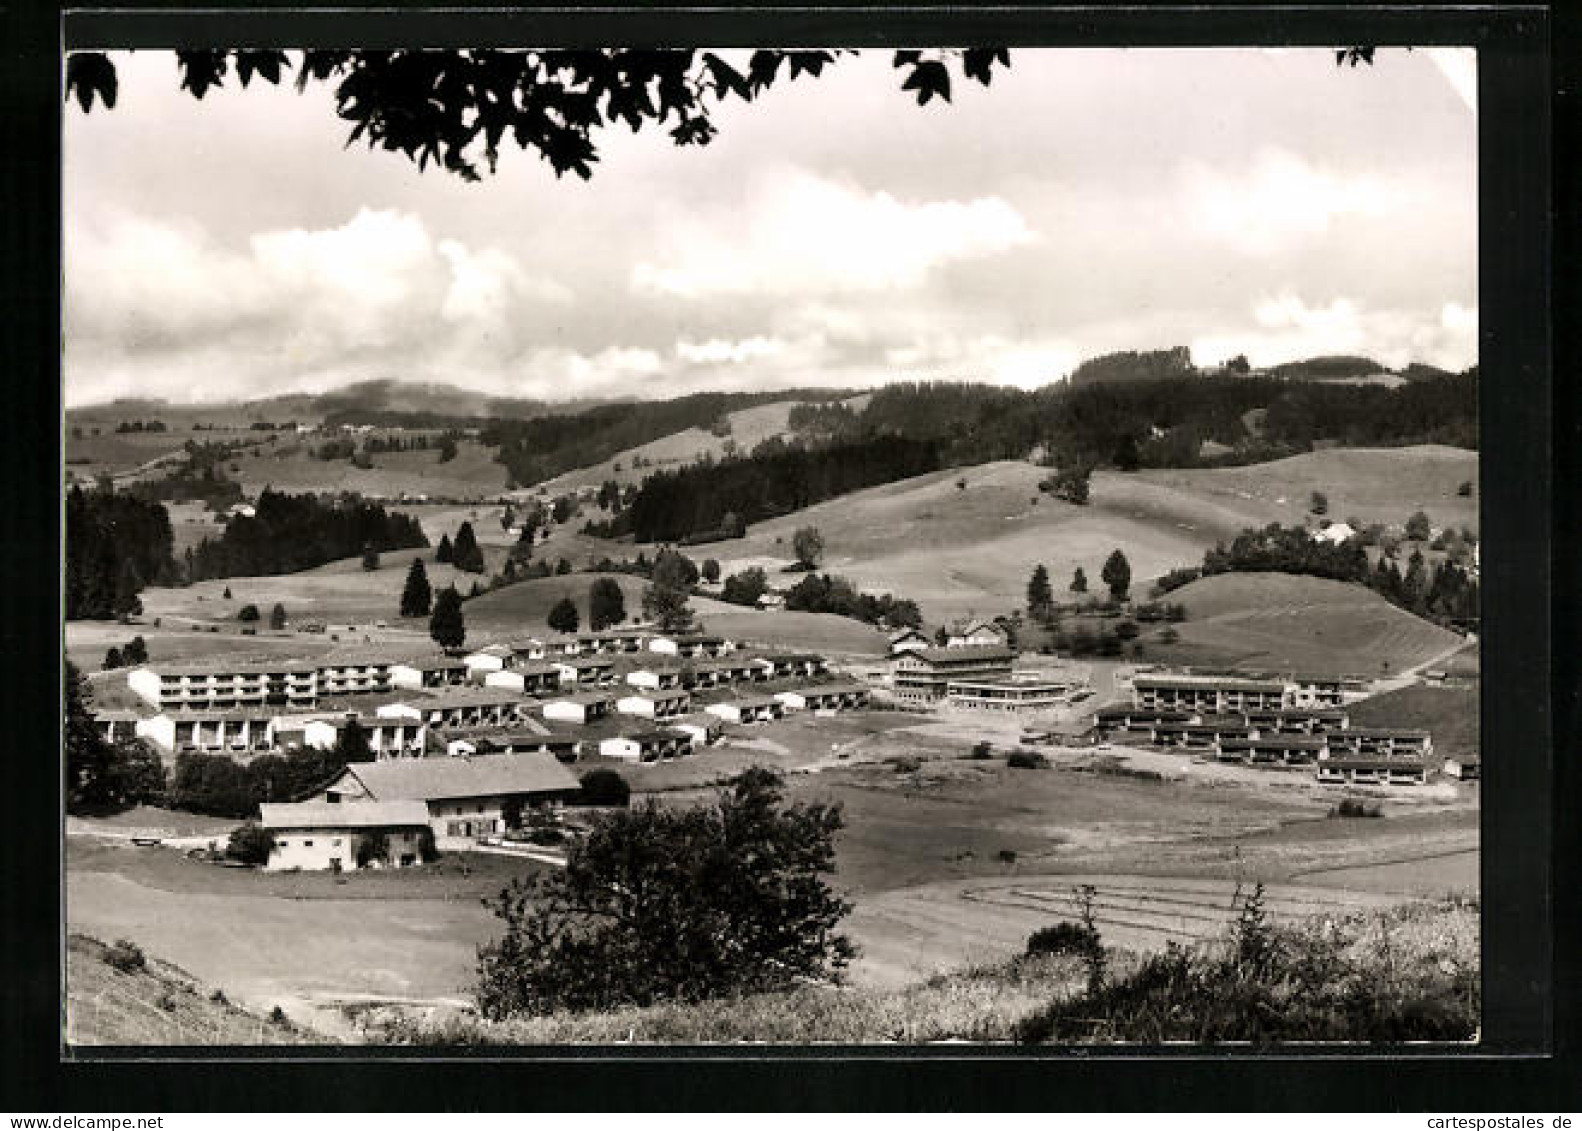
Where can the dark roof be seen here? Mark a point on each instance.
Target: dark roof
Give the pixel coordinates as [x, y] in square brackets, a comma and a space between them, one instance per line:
[965, 653]
[230, 665]
[485, 775]
[1201, 682]
[1352, 762]
[347, 815]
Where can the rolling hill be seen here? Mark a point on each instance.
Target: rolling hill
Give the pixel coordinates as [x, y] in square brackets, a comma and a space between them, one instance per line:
[524, 607]
[1278, 621]
[965, 541]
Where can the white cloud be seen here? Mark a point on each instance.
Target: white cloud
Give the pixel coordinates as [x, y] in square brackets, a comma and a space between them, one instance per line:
[717, 351]
[1279, 202]
[1286, 328]
[293, 308]
[809, 235]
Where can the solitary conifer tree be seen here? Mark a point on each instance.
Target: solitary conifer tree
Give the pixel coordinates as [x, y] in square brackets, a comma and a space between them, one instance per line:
[447, 625]
[1040, 597]
[444, 553]
[417, 597]
[1079, 581]
[1117, 574]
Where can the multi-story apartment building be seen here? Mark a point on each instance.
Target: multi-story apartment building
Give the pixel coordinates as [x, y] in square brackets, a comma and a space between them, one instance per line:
[923, 675]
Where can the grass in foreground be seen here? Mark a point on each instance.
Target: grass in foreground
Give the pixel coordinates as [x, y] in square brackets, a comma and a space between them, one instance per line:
[1407, 974]
[115, 995]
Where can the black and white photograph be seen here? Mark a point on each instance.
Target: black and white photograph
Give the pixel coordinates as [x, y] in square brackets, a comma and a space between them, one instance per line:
[736, 546]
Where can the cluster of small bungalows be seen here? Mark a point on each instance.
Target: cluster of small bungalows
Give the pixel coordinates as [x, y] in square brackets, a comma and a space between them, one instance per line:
[1266, 723]
[429, 702]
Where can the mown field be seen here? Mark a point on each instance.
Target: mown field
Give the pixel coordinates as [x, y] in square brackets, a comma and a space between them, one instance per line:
[965, 541]
[1277, 621]
[290, 466]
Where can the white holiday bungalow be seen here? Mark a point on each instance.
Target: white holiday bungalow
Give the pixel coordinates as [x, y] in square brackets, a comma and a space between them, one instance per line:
[526, 678]
[829, 697]
[656, 677]
[647, 746]
[658, 705]
[703, 728]
[422, 674]
[585, 671]
[495, 657]
[755, 709]
[581, 707]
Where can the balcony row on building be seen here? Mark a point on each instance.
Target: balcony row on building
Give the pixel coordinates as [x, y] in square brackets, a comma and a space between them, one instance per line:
[1218, 694]
[587, 661]
[399, 727]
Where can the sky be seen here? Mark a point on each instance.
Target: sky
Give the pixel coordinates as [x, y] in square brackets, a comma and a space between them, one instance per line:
[1249, 201]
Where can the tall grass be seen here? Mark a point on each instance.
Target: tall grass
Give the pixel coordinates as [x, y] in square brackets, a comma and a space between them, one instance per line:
[1408, 974]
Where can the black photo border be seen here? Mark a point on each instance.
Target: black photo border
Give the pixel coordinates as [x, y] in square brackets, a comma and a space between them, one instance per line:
[1530, 877]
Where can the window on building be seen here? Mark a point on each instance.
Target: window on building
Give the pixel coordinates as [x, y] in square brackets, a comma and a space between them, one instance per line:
[307, 844]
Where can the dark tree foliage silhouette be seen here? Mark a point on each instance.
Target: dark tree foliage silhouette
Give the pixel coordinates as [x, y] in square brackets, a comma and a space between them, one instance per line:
[101, 775]
[1079, 581]
[1117, 575]
[136, 651]
[466, 555]
[114, 544]
[454, 108]
[290, 533]
[563, 616]
[112, 659]
[1040, 596]
[351, 744]
[277, 617]
[668, 903]
[448, 625]
[444, 553]
[606, 604]
[665, 598]
[416, 595]
[746, 587]
[370, 558]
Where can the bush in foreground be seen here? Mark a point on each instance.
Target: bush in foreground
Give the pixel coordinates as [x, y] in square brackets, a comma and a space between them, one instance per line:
[663, 903]
[125, 956]
[1266, 984]
[1026, 760]
[604, 787]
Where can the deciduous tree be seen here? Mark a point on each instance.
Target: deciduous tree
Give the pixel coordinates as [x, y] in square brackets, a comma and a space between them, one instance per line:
[606, 603]
[662, 902]
[563, 615]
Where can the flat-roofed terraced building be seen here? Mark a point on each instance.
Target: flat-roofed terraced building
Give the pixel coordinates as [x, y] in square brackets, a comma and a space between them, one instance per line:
[1277, 749]
[465, 797]
[525, 678]
[1205, 735]
[354, 674]
[495, 740]
[219, 684]
[826, 697]
[316, 836]
[1009, 696]
[647, 745]
[1386, 742]
[492, 658]
[462, 707]
[754, 709]
[787, 664]
[1123, 717]
[1212, 694]
[1467, 767]
[579, 707]
[688, 645]
[704, 728]
[1349, 769]
[614, 641]
[585, 671]
[233, 730]
[116, 725]
[658, 705]
[656, 677]
[1296, 720]
[923, 675]
[422, 674]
